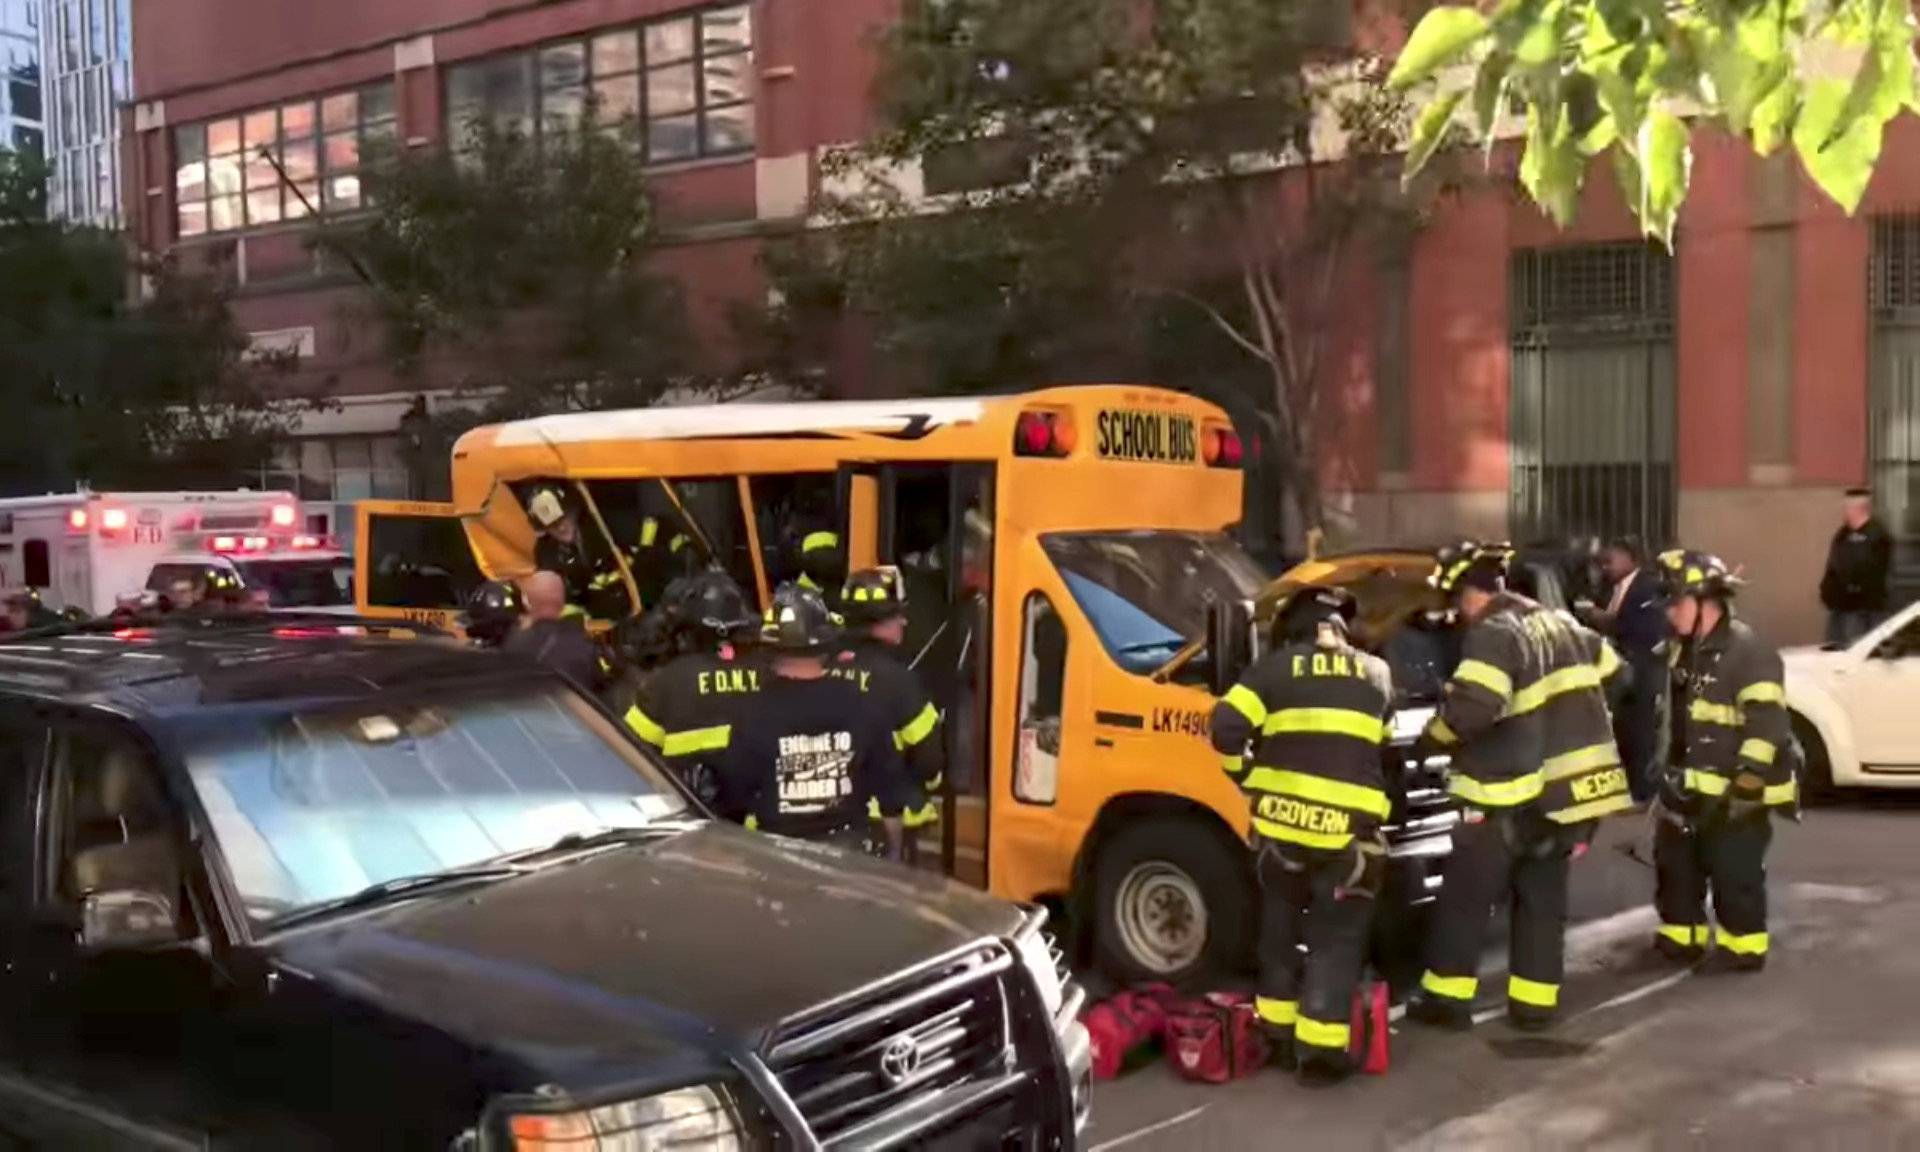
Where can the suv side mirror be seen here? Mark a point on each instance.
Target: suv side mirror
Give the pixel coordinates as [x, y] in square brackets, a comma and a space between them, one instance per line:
[126, 919]
[1229, 643]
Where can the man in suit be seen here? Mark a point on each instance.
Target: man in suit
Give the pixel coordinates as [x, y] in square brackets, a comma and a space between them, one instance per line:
[1634, 618]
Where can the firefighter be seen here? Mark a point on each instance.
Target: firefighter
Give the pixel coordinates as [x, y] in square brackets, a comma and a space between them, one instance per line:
[821, 564]
[493, 611]
[659, 555]
[1314, 712]
[1732, 763]
[562, 549]
[1524, 672]
[874, 604]
[685, 708]
[814, 752]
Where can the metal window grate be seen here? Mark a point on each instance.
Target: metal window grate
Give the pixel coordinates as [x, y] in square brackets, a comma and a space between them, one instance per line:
[1894, 269]
[1592, 285]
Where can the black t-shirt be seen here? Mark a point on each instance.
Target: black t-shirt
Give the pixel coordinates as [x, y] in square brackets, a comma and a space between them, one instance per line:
[808, 757]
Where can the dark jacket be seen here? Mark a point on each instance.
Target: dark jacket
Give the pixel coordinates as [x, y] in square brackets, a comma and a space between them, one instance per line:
[1581, 774]
[564, 646]
[1314, 716]
[1496, 746]
[1857, 564]
[1641, 625]
[911, 710]
[1731, 736]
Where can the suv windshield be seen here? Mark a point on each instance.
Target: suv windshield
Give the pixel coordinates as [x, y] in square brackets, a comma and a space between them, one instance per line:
[312, 582]
[311, 806]
[1146, 593]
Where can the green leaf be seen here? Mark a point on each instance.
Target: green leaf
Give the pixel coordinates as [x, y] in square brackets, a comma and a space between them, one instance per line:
[1430, 129]
[1540, 43]
[1442, 36]
[1552, 168]
[1839, 155]
[1772, 117]
[1489, 93]
[1666, 162]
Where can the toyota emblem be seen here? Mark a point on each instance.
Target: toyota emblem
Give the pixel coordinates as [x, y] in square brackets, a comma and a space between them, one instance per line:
[899, 1060]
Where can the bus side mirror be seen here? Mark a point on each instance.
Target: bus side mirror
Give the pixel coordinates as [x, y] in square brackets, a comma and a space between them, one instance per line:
[1229, 643]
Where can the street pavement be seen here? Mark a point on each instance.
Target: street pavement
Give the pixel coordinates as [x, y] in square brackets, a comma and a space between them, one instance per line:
[1820, 1050]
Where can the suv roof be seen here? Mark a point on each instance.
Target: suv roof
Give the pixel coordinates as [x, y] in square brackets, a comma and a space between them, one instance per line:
[188, 663]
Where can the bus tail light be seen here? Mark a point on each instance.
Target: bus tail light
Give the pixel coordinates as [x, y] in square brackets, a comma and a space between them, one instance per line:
[283, 515]
[1042, 434]
[1221, 447]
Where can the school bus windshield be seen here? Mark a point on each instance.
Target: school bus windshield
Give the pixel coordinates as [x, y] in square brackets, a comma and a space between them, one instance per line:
[1146, 593]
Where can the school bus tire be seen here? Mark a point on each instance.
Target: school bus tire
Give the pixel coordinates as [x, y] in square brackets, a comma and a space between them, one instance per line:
[1172, 901]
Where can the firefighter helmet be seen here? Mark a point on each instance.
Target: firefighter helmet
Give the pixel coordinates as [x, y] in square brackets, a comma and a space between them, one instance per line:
[492, 610]
[1300, 615]
[874, 594]
[1470, 564]
[1686, 572]
[799, 621]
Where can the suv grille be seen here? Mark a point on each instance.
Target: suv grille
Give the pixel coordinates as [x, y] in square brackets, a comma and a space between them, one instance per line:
[873, 1059]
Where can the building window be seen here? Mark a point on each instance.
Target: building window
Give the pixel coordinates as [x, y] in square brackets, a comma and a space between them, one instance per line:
[685, 83]
[344, 468]
[223, 178]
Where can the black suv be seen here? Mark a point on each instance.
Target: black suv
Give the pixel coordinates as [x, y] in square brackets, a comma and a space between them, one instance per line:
[305, 886]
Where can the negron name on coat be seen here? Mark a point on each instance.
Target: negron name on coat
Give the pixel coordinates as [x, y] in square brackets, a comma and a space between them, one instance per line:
[1123, 434]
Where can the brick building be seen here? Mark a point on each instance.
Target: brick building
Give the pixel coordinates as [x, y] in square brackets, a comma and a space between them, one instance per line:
[1505, 378]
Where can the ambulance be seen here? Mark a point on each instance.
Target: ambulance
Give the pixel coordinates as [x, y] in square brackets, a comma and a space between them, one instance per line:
[84, 549]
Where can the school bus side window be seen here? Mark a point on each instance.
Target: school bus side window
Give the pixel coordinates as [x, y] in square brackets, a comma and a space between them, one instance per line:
[660, 542]
[1043, 673]
[801, 534]
[419, 562]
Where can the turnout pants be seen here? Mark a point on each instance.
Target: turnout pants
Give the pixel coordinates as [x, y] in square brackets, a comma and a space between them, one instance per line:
[1727, 858]
[1519, 858]
[1307, 1000]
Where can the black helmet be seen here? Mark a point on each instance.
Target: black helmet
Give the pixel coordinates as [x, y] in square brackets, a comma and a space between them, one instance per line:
[709, 603]
[1685, 572]
[799, 621]
[546, 506]
[492, 610]
[1470, 564]
[874, 594]
[1300, 615]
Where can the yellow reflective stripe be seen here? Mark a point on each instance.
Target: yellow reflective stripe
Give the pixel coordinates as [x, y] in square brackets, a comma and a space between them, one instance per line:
[1497, 794]
[1329, 721]
[806, 582]
[1762, 692]
[1759, 751]
[1685, 935]
[645, 726]
[1440, 732]
[1339, 793]
[1581, 760]
[1486, 676]
[752, 822]
[921, 817]
[1747, 944]
[1593, 809]
[1536, 694]
[1707, 713]
[1292, 835]
[1608, 662]
[1247, 702]
[873, 808]
[1781, 793]
[1524, 991]
[918, 729]
[677, 543]
[1233, 765]
[1320, 1034]
[815, 541]
[1280, 1012]
[1705, 783]
[572, 610]
[649, 531]
[1451, 987]
[697, 740]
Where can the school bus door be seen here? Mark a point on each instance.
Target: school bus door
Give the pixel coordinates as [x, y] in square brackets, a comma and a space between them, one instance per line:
[412, 561]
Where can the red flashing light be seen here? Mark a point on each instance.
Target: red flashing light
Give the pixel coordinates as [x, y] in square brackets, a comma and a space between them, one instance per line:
[1042, 434]
[282, 515]
[77, 520]
[113, 520]
[223, 544]
[254, 543]
[133, 633]
[309, 542]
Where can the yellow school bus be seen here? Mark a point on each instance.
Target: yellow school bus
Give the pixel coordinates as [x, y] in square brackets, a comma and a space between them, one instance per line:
[1062, 548]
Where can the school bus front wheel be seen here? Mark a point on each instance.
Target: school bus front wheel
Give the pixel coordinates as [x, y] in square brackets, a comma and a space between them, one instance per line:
[1172, 900]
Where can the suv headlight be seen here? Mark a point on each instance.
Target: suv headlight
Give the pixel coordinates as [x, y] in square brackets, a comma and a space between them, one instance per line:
[697, 1117]
[1043, 959]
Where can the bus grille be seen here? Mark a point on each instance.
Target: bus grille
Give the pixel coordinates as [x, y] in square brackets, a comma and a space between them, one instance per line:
[869, 1061]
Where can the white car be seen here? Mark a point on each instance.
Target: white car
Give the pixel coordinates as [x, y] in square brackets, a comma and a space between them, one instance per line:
[1856, 710]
